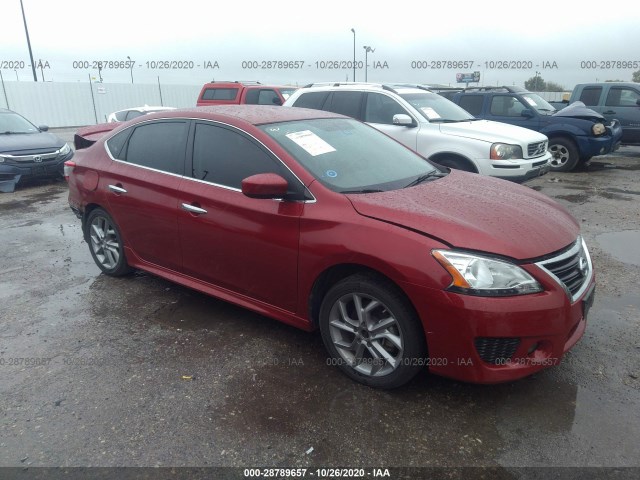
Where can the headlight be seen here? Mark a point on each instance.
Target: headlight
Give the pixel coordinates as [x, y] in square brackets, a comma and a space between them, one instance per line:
[64, 150]
[504, 151]
[598, 129]
[477, 275]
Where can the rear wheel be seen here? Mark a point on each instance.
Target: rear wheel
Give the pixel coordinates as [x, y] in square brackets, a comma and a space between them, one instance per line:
[105, 244]
[371, 332]
[564, 154]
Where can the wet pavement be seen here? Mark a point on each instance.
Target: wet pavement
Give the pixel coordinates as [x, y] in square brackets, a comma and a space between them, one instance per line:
[137, 371]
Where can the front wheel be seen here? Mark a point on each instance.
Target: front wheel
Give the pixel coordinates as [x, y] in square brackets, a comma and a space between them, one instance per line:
[371, 332]
[564, 154]
[105, 244]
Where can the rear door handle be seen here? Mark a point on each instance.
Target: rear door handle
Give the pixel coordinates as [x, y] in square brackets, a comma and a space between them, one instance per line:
[193, 209]
[116, 189]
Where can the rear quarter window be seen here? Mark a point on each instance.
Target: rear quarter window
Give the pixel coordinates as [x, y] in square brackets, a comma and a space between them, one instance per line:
[220, 94]
[313, 100]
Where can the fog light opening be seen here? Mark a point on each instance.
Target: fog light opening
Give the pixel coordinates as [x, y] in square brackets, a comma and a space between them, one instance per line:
[532, 348]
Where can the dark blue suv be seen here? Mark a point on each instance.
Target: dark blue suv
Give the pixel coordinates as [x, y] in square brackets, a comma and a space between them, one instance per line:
[575, 133]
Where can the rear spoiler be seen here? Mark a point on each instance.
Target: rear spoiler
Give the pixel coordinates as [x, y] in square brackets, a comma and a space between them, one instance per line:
[87, 136]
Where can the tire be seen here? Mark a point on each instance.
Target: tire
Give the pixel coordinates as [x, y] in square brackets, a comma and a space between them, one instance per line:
[384, 355]
[105, 244]
[456, 164]
[564, 154]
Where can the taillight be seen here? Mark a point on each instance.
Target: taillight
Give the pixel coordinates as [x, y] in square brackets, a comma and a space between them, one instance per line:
[69, 165]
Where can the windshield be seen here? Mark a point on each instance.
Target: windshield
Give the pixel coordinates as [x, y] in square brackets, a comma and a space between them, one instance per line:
[436, 108]
[540, 104]
[348, 156]
[11, 122]
[286, 92]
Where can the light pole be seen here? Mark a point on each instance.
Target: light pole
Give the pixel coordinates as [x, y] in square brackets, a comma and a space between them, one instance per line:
[367, 49]
[537, 85]
[26, 30]
[131, 63]
[17, 79]
[354, 54]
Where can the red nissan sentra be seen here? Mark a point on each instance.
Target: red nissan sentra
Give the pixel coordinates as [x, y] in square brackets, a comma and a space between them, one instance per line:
[321, 221]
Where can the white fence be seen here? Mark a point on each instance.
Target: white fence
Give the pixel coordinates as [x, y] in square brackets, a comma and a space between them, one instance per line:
[83, 103]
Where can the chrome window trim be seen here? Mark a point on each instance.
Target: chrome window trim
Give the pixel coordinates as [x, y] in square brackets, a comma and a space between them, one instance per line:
[578, 244]
[214, 122]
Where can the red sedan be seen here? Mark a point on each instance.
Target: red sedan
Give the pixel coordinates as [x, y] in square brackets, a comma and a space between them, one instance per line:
[322, 222]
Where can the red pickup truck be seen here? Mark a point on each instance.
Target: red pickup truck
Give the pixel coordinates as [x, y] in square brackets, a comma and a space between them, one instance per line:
[229, 93]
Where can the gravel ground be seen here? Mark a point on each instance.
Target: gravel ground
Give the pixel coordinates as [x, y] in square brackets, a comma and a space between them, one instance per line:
[138, 371]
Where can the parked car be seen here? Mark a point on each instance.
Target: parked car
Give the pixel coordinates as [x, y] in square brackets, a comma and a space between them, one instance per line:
[252, 93]
[434, 127]
[322, 222]
[614, 100]
[28, 151]
[135, 112]
[575, 134]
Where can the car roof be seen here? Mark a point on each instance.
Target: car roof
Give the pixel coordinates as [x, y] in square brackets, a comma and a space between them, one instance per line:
[369, 87]
[252, 114]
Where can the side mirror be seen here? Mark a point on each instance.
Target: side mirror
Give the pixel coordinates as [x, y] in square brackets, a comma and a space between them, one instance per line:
[265, 185]
[527, 113]
[638, 102]
[403, 119]
[277, 101]
[43, 128]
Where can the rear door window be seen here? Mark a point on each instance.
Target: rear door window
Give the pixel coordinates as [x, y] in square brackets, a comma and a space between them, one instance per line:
[159, 145]
[345, 103]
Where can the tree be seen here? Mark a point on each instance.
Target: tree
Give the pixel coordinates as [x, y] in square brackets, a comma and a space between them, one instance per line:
[636, 76]
[553, 87]
[537, 84]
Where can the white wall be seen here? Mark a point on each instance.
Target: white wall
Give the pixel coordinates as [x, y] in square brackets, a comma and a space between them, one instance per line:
[83, 103]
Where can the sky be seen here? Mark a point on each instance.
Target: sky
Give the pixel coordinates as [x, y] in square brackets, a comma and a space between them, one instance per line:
[296, 43]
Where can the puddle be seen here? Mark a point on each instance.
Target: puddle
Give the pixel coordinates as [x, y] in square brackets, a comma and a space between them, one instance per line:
[623, 246]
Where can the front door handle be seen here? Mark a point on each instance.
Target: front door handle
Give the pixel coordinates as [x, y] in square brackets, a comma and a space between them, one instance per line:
[609, 112]
[193, 209]
[116, 189]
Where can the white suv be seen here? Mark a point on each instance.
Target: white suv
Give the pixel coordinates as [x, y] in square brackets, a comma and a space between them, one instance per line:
[434, 127]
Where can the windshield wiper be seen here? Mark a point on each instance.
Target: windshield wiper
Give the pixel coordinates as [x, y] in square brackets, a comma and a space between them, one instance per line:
[444, 120]
[364, 190]
[427, 176]
[9, 132]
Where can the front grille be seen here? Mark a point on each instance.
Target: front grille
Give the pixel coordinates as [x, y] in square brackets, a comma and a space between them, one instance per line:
[536, 149]
[572, 269]
[496, 350]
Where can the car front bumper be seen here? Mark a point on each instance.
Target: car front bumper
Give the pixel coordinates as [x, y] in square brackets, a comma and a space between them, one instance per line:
[12, 173]
[499, 339]
[516, 171]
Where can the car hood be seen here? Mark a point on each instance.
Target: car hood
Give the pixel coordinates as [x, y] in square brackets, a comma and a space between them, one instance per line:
[491, 132]
[579, 110]
[478, 213]
[20, 142]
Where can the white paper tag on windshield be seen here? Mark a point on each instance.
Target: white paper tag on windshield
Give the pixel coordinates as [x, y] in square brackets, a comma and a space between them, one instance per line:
[312, 143]
[430, 112]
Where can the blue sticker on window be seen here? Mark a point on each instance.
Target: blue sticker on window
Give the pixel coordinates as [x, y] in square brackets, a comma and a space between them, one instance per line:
[331, 173]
